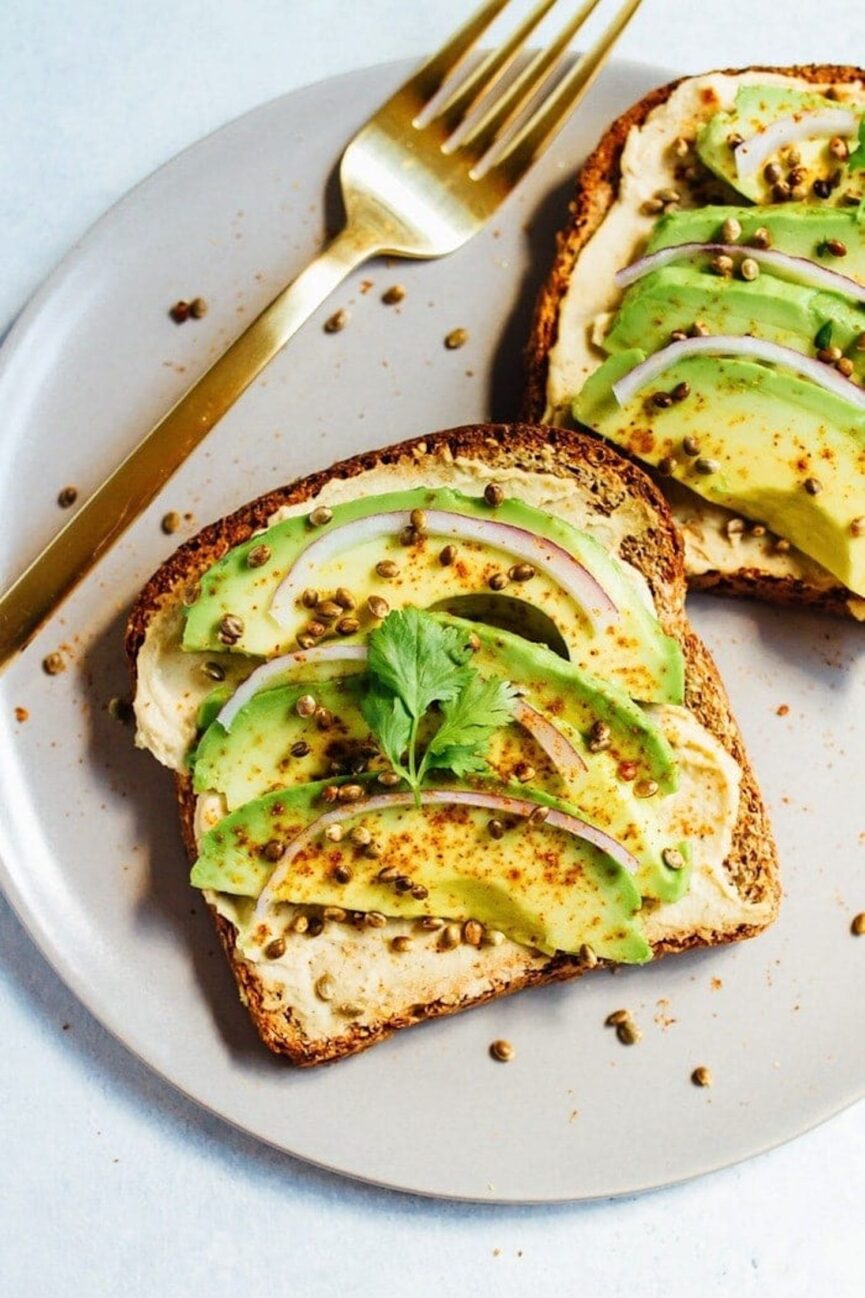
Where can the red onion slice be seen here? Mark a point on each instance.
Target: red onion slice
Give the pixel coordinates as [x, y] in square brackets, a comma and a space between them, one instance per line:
[799, 270]
[752, 153]
[537, 550]
[277, 667]
[724, 345]
[502, 803]
[557, 746]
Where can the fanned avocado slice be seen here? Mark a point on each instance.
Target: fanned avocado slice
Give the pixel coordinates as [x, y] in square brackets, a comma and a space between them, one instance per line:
[756, 107]
[539, 885]
[773, 446]
[631, 650]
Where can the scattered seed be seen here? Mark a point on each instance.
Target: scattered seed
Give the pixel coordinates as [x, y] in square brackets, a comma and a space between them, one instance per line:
[838, 148]
[678, 336]
[749, 269]
[335, 322]
[699, 329]
[473, 642]
[758, 529]
[430, 924]
[449, 937]
[230, 629]
[690, 446]
[705, 465]
[305, 705]
[628, 1033]
[521, 572]
[498, 581]
[389, 779]
[258, 556]
[857, 526]
[402, 883]
[386, 568]
[781, 192]
[342, 873]
[388, 874]
[309, 598]
[348, 625]
[524, 772]
[273, 851]
[761, 238]
[822, 187]
[456, 338]
[813, 486]
[701, 1076]
[772, 172]
[782, 545]
[668, 465]
[734, 140]
[314, 630]
[334, 833]
[681, 391]
[300, 924]
[857, 927]
[53, 664]
[325, 987]
[378, 607]
[447, 556]
[494, 494]
[324, 718]
[829, 355]
[392, 295]
[344, 598]
[473, 932]
[668, 195]
[419, 892]
[618, 1016]
[835, 247]
[662, 400]
[320, 515]
[493, 937]
[845, 366]
[120, 709]
[731, 230]
[198, 308]
[401, 943]
[600, 737]
[375, 919]
[652, 207]
[352, 793]
[673, 858]
[418, 520]
[215, 671]
[734, 526]
[539, 815]
[67, 497]
[502, 1051]
[335, 914]
[722, 265]
[373, 851]
[587, 956]
[495, 829]
[275, 949]
[179, 312]
[316, 925]
[645, 788]
[408, 536]
[328, 610]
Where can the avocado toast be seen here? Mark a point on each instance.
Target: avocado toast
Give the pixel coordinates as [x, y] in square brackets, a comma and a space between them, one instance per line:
[706, 313]
[398, 800]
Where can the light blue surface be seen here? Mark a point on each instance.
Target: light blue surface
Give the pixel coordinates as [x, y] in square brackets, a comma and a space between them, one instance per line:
[111, 1182]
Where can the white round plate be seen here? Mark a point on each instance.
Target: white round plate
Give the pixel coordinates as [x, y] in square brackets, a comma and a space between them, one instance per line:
[91, 852]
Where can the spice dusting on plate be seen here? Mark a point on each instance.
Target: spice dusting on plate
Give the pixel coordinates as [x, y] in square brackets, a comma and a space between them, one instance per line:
[22, 715]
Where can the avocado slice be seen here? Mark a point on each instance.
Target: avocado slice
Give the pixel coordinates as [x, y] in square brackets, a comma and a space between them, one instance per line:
[767, 437]
[539, 885]
[632, 651]
[674, 297]
[756, 107]
[799, 229]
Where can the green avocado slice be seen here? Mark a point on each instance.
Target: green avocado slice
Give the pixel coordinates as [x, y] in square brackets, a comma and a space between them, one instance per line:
[766, 438]
[674, 297]
[632, 651]
[539, 885]
[756, 107]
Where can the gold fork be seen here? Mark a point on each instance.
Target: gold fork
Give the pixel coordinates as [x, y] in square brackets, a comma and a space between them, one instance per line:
[418, 180]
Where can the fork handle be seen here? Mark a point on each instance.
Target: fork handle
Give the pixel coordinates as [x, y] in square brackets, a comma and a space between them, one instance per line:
[145, 470]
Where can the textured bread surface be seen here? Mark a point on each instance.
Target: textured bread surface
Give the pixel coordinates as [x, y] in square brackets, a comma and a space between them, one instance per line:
[602, 480]
[596, 190]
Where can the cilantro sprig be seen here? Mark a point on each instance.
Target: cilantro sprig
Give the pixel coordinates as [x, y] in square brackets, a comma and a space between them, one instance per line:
[856, 160]
[416, 663]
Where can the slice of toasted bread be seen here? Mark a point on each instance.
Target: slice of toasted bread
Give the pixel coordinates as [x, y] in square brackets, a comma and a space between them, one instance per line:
[744, 564]
[599, 490]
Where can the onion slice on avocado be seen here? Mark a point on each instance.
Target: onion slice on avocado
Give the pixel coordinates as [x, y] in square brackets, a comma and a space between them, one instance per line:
[544, 554]
[752, 153]
[270, 671]
[799, 270]
[757, 349]
[557, 746]
[502, 803]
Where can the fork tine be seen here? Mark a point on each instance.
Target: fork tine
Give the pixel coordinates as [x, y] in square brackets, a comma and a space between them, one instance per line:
[431, 76]
[489, 70]
[551, 115]
[489, 128]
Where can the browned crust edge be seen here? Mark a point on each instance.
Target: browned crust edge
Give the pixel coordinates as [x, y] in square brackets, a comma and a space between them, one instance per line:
[753, 862]
[596, 189]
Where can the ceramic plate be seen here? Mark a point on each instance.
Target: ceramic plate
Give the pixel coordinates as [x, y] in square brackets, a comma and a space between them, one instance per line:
[92, 858]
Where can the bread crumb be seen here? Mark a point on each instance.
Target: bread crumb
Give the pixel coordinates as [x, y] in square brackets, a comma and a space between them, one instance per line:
[782, 710]
[22, 715]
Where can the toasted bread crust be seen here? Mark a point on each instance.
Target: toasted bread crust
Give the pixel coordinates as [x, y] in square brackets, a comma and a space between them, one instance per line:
[596, 190]
[605, 475]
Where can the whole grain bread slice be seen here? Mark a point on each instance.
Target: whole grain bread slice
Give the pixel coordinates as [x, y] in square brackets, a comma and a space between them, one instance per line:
[603, 487]
[596, 190]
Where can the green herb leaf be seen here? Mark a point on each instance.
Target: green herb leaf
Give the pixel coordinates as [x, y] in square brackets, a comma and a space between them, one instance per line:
[418, 659]
[469, 721]
[856, 161]
[386, 716]
[823, 336]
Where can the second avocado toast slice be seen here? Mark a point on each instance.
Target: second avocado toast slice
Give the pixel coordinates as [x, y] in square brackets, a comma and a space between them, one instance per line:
[396, 812]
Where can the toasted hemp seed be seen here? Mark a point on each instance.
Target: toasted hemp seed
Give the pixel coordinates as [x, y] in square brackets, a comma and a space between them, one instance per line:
[857, 928]
[215, 671]
[857, 526]
[502, 1051]
[275, 949]
[305, 705]
[761, 238]
[402, 883]
[449, 937]
[701, 1076]
[258, 556]
[652, 207]
[309, 598]
[388, 778]
[320, 516]
[300, 749]
[498, 581]
[378, 607]
[323, 718]
[335, 322]
[628, 1033]
[668, 465]
[722, 265]
[493, 937]
[749, 269]
[473, 932]
[328, 610]
[734, 526]
[813, 486]
[772, 172]
[351, 793]
[705, 465]
[334, 833]
[401, 943]
[456, 338]
[681, 391]
[345, 599]
[273, 850]
[230, 629]
[347, 625]
[681, 147]
[170, 522]
[662, 400]
[392, 295]
[494, 494]
[335, 914]
[521, 572]
[645, 788]
[361, 836]
[690, 446]
[496, 829]
[587, 956]
[386, 568]
[859, 344]
[316, 925]
[845, 366]
[375, 919]
[430, 924]
[67, 497]
[782, 545]
[417, 518]
[838, 148]
[524, 772]
[829, 355]
[618, 1016]
[599, 737]
[300, 924]
[419, 892]
[447, 556]
[731, 230]
[342, 874]
[325, 987]
[673, 858]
